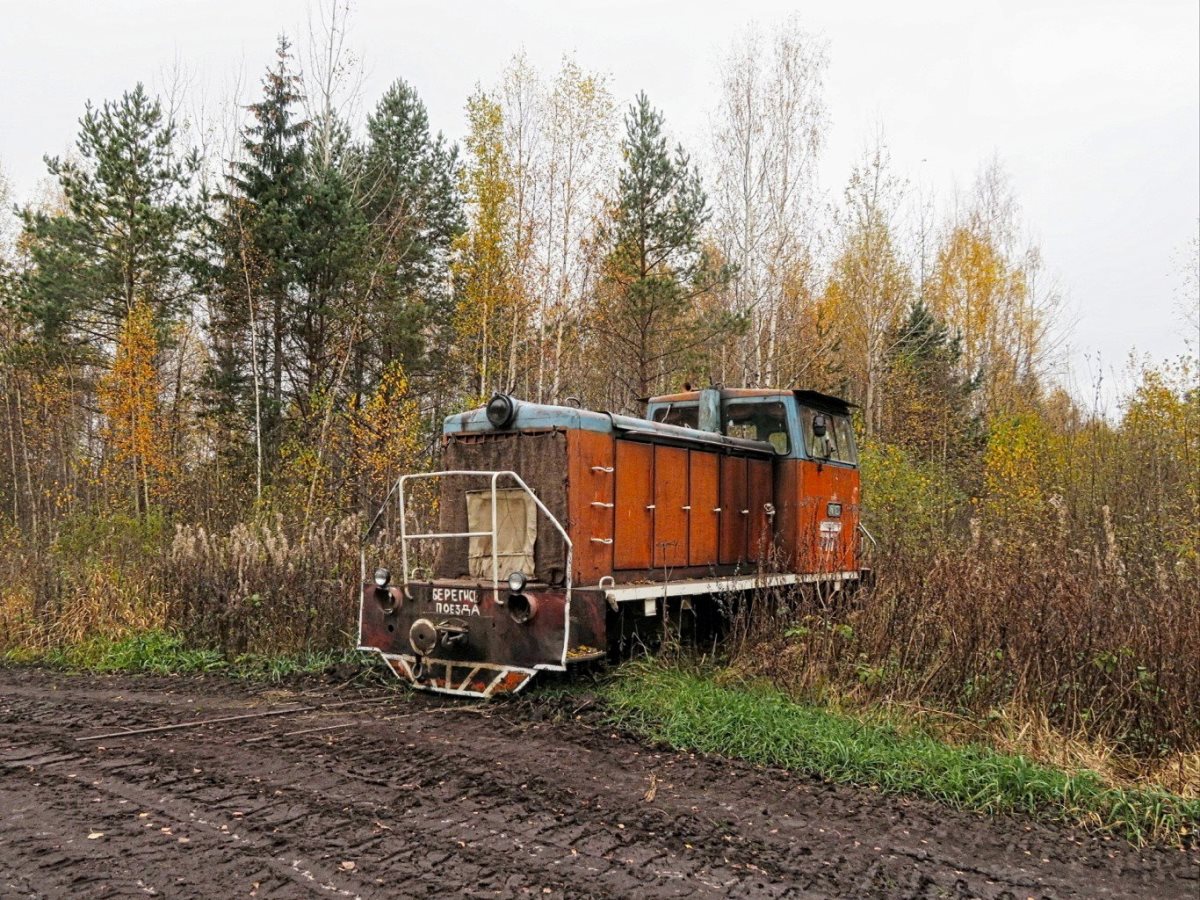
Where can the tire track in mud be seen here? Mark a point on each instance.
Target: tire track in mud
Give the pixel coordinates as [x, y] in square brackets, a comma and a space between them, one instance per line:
[422, 797]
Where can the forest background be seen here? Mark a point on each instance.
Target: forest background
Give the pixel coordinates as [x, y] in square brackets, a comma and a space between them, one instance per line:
[220, 347]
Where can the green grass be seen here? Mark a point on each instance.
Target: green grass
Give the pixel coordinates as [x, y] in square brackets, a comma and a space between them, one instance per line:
[164, 653]
[690, 711]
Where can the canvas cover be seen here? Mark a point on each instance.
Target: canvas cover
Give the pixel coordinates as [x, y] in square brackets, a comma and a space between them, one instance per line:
[516, 533]
[541, 460]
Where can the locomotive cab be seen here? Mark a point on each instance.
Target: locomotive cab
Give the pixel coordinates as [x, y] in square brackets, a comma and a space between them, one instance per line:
[816, 484]
[797, 424]
[557, 525]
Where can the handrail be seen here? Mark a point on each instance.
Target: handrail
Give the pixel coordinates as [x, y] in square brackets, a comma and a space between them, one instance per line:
[869, 536]
[495, 476]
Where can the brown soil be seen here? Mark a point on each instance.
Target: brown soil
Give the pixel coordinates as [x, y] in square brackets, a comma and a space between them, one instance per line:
[433, 798]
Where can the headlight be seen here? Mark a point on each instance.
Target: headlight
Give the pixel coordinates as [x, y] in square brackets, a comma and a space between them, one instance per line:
[501, 410]
[522, 608]
[517, 582]
[382, 577]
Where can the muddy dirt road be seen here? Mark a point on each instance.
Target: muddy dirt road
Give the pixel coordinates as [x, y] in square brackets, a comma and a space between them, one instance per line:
[428, 798]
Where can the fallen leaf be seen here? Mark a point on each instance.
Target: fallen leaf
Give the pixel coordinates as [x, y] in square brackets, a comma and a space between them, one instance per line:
[652, 791]
[347, 865]
[95, 834]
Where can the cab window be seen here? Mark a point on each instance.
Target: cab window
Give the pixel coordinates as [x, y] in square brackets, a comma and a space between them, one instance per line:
[836, 445]
[757, 422]
[673, 414]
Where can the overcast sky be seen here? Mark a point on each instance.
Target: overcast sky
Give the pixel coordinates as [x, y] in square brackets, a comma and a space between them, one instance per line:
[1093, 107]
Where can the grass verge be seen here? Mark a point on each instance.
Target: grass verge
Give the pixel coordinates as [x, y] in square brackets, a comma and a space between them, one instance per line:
[688, 710]
[164, 653]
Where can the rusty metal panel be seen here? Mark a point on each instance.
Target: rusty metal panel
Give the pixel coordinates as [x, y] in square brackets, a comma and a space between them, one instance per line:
[539, 458]
[704, 498]
[485, 632]
[670, 507]
[634, 518]
[760, 523]
[733, 509]
[787, 523]
[828, 542]
[591, 489]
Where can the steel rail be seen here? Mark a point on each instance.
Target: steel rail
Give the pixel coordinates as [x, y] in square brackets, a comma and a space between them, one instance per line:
[195, 723]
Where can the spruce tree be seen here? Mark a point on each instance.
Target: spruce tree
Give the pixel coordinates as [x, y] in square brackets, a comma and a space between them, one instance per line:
[259, 238]
[657, 268]
[415, 209]
[332, 236]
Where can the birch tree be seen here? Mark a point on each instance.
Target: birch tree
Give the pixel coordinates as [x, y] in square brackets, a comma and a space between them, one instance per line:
[559, 155]
[870, 285]
[768, 129]
[483, 271]
[988, 285]
[579, 160]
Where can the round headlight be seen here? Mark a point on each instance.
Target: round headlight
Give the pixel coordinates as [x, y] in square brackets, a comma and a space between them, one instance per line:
[382, 577]
[522, 608]
[517, 582]
[501, 410]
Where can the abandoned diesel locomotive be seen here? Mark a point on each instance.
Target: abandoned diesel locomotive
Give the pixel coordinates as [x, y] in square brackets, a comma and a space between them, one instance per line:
[563, 531]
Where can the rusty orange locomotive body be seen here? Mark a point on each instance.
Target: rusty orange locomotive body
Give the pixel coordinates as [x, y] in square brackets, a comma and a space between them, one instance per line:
[563, 533]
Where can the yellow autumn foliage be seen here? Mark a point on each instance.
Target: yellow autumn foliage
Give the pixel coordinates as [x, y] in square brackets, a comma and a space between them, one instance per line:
[386, 432]
[1019, 461]
[984, 298]
[486, 316]
[137, 439]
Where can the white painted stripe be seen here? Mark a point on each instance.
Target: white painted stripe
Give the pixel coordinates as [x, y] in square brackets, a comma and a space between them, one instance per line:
[627, 593]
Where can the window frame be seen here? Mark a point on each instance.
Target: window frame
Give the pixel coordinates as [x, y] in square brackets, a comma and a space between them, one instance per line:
[804, 410]
[667, 408]
[789, 417]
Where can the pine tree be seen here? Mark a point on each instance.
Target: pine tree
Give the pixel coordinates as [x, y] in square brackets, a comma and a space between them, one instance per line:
[125, 235]
[929, 404]
[656, 266]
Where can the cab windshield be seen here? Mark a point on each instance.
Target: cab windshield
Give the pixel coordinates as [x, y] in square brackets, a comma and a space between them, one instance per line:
[836, 445]
[757, 421]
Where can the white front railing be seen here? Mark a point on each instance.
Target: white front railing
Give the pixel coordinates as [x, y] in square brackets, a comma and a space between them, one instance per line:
[494, 476]
[405, 537]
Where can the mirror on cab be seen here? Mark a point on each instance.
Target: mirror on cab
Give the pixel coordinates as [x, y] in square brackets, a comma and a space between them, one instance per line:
[819, 426]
